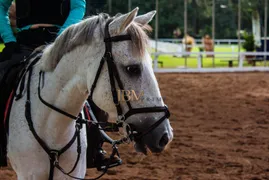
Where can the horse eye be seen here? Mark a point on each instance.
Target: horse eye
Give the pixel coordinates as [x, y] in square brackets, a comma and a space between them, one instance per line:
[133, 69]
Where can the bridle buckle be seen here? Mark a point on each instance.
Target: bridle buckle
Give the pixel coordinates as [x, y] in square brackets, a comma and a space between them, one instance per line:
[108, 54]
[54, 157]
[120, 119]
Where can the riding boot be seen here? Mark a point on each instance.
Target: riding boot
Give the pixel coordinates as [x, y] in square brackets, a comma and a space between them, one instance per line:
[93, 139]
[101, 162]
[95, 153]
[96, 156]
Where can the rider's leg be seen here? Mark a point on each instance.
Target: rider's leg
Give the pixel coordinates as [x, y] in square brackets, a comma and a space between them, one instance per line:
[99, 160]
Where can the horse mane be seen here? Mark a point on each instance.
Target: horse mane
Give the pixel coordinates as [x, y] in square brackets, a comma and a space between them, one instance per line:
[82, 33]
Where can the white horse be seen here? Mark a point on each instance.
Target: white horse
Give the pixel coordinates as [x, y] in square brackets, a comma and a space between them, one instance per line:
[70, 65]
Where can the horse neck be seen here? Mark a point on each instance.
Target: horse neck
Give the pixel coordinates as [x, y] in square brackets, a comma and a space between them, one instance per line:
[66, 89]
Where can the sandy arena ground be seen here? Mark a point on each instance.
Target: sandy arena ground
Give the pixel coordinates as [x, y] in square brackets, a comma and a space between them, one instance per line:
[221, 129]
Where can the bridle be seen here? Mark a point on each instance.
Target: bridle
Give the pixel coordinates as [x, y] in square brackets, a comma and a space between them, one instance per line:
[114, 75]
[122, 117]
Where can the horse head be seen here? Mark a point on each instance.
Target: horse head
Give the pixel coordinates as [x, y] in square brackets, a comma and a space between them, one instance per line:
[110, 57]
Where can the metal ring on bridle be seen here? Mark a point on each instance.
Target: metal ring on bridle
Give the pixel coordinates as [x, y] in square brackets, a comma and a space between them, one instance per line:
[126, 132]
[120, 119]
[109, 54]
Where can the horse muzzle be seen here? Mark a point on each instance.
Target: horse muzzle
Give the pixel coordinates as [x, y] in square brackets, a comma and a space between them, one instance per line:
[156, 140]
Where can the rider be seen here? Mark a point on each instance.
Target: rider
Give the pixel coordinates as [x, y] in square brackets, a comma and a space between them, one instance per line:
[34, 25]
[39, 23]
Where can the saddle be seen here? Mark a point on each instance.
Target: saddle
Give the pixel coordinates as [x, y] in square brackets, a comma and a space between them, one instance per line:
[10, 72]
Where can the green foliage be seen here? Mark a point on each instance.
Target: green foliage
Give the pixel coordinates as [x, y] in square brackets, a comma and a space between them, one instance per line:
[171, 15]
[249, 44]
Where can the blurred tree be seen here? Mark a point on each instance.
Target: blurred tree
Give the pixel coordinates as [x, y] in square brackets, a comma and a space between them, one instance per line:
[171, 14]
[94, 7]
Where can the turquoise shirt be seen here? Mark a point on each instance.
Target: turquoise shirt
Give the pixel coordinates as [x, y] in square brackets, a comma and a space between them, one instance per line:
[77, 11]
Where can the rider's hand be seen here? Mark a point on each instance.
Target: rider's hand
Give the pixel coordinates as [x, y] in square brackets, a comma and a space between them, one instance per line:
[10, 48]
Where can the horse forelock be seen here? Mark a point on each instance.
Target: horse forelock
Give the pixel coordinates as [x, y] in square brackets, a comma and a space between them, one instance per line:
[82, 33]
[139, 37]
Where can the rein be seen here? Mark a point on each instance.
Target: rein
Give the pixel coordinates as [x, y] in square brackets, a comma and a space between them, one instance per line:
[113, 73]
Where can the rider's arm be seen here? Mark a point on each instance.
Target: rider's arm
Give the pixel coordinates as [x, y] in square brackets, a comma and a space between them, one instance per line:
[5, 28]
[77, 11]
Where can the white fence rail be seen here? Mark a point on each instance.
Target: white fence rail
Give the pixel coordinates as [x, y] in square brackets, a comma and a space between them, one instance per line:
[199, 41]
[166, 46]
[199, 56]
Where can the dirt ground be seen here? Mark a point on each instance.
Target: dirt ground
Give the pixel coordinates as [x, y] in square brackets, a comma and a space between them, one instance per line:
[221, 131]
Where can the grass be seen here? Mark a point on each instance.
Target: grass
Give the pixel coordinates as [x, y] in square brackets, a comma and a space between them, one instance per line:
[174, 62]
[220, 60]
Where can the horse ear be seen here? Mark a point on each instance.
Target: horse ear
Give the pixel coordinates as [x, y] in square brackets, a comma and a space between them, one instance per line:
[121, 23]
[146, 18]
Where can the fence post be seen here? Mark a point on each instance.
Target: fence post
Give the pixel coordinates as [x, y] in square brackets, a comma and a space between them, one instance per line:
[199, 60]
[155, 62]
[241, 60]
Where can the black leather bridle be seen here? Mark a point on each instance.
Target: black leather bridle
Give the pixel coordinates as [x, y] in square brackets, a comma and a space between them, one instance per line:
[113, 75]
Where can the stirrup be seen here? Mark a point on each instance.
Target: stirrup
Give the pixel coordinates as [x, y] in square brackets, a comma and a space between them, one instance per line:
[111, 165]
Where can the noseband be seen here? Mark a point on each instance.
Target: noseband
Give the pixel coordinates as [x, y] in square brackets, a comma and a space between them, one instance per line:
[122, 117]
[114, 75]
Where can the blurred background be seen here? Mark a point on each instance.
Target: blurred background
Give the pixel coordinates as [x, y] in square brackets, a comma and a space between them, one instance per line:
[220, 120]
[200, 33]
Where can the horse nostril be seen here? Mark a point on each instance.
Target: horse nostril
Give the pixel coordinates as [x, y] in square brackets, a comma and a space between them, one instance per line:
[164, 140]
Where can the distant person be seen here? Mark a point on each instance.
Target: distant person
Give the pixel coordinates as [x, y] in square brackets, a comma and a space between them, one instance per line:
[188, 43]
[177, 33]
[208, 44]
